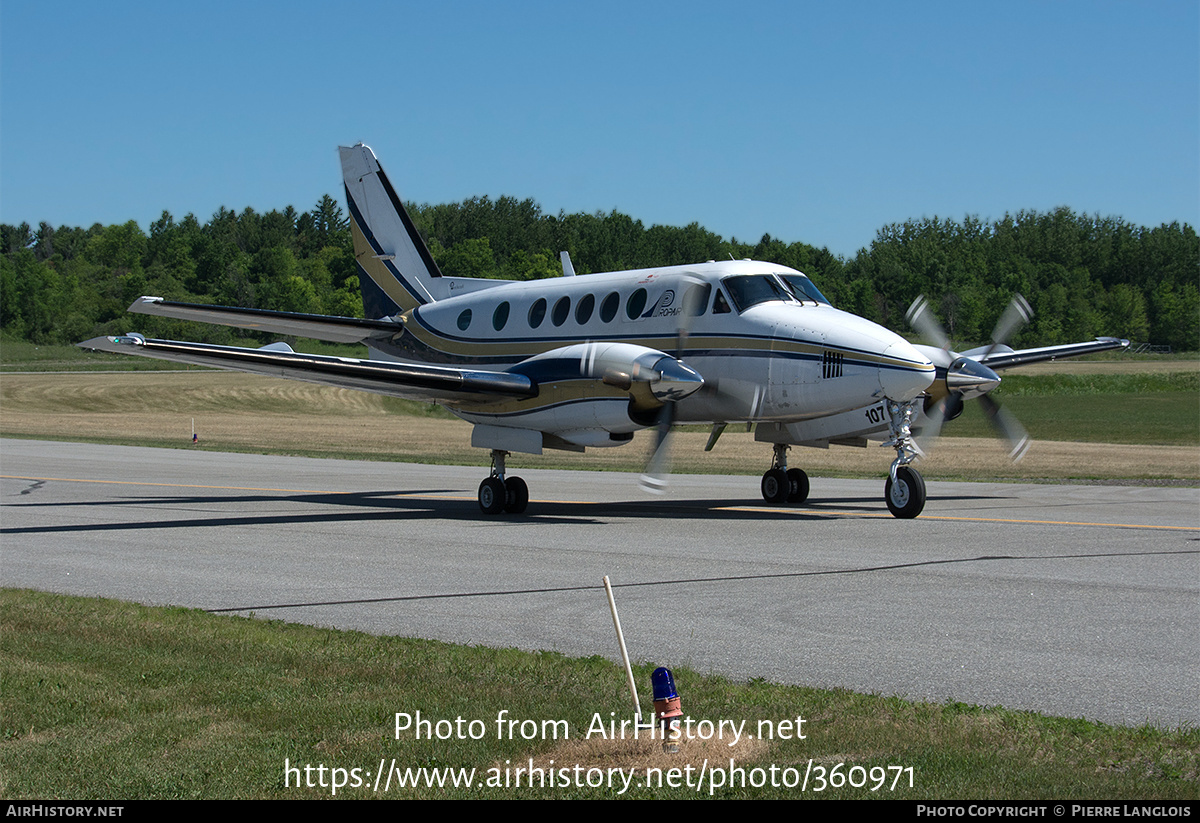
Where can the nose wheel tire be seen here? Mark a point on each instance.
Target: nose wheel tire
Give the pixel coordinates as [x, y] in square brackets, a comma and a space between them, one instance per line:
[775, 486]
[797, 486]
[905, 497]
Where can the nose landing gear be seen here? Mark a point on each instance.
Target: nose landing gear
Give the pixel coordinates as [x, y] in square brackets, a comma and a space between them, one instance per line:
[904, 490]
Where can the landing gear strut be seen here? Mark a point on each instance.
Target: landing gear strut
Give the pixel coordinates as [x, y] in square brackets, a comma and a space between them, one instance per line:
[498, 493]
[781, 484]
[904, 491]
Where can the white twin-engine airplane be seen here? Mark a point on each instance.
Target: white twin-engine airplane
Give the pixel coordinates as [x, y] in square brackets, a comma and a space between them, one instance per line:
[588, 360]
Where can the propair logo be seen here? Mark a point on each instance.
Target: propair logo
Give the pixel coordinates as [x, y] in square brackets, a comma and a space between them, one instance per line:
[665, 307]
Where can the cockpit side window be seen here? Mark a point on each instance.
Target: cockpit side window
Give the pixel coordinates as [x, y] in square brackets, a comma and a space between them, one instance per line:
[720, 304]
[695, 299]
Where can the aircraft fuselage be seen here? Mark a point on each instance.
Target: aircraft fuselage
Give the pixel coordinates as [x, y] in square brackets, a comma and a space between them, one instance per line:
[766, 351]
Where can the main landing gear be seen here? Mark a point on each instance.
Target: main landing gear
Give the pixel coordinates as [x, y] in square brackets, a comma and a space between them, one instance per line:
[783, 485]
[498, 493]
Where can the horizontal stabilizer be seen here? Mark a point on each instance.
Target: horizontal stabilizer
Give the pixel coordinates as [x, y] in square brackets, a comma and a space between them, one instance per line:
[415, 382]
[314, 326]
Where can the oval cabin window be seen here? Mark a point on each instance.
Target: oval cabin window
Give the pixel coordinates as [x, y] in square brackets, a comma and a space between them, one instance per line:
[583, 312]
[500, 316]
[608, 309]
[561, 309]
[636, 304]
[537, 313]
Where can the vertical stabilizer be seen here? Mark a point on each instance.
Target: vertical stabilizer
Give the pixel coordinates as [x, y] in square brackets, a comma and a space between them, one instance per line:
[395, 269]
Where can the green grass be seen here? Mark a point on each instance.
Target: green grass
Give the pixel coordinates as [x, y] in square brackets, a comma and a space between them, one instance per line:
[1158, 419]
[1076, 385]
[1150, 409]
[103, 699]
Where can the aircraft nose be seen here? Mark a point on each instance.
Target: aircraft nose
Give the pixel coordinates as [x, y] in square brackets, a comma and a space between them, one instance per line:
[904, 372]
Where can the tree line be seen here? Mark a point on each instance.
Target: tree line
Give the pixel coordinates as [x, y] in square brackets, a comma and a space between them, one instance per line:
[1084, 275]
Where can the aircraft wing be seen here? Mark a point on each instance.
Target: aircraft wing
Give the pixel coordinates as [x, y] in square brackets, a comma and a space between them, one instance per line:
[415, 382]
[314, 326]
[1003, 357]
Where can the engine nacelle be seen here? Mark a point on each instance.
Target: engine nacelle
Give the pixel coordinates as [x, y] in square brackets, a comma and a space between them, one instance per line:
[622, 365]
[643, 380]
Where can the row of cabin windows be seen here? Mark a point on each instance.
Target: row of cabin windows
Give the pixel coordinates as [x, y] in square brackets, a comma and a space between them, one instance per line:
[746, 291]
[634, 306]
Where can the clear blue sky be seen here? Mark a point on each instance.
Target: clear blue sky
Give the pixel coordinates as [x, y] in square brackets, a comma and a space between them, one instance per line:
[807, 121]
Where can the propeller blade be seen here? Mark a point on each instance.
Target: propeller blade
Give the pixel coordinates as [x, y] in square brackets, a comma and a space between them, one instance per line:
[1007, 427]
[654, 478]
[931, 429]
[691, 305]
[922, 319]
[677, 382]
[1014, 318]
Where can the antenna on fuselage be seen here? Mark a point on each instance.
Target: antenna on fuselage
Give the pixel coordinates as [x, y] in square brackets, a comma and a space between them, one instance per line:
[568, 269]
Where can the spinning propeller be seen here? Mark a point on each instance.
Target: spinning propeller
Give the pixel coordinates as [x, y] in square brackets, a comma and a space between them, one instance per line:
[654, 477]
[966, 376]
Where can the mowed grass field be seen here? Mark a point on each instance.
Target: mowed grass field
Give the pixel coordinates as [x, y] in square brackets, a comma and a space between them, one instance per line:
[108, 701]
[1134, 420]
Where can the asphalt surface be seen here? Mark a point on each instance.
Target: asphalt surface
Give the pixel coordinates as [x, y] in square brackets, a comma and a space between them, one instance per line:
[1068, 600]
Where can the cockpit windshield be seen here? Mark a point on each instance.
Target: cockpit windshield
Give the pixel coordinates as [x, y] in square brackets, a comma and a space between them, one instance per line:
[751, 289]
[803, 288]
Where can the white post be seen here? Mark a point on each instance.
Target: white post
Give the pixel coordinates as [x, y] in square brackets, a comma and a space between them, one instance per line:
[612, 606]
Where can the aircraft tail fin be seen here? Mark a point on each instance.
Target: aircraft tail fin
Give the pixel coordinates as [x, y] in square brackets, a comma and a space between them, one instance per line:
[395, 269]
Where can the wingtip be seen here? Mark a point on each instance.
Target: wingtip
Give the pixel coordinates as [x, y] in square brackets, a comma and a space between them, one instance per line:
[140, 305]
[113, 343]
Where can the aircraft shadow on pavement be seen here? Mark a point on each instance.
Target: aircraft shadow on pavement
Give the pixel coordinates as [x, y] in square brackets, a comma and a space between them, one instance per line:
[222, 510]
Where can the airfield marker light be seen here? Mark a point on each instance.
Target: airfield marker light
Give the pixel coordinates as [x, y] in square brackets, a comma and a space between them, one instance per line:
[667, 707]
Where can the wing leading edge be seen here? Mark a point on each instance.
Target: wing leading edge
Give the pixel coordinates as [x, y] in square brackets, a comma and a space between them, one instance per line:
[1003, 357]
[434, 384]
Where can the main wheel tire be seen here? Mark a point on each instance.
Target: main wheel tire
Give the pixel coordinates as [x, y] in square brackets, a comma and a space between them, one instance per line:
[775, 486]
[906, 497]
[492, 495]
[797, 486]
[517, 495]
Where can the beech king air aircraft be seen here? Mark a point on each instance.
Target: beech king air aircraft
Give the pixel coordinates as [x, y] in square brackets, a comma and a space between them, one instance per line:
[586, 361]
